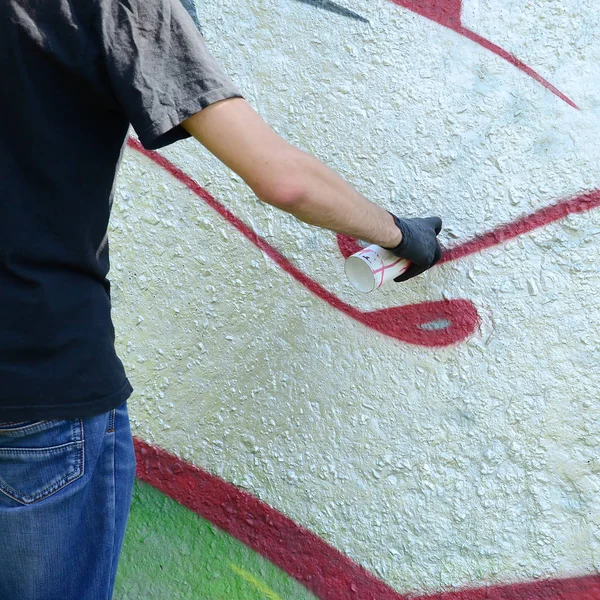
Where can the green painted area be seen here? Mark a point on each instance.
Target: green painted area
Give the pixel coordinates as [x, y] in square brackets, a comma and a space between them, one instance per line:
[170, 552]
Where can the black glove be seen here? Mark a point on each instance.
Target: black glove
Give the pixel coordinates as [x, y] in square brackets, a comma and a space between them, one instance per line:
[419, 244]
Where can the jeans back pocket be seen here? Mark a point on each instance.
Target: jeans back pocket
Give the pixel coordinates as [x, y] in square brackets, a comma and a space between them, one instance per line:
[38, 458]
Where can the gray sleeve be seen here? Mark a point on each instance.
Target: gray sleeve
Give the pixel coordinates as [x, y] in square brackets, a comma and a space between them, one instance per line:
[159, 67]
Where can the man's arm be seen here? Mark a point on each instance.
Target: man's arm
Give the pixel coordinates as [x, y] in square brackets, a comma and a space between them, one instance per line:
[286, 177]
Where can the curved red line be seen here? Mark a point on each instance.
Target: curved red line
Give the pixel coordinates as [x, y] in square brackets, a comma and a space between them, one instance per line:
[448, 14]
[403, 323]
[322, 569]
[247, 232]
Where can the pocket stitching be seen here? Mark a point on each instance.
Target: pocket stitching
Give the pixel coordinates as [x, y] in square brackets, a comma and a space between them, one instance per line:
[48, 449]
[27, 427]
[78, 470]
[59, 485]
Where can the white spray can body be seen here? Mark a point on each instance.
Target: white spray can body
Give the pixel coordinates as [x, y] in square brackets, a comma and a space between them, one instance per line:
[372, 267]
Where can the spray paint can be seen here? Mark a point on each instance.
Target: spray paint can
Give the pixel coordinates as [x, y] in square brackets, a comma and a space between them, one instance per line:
[373, 267]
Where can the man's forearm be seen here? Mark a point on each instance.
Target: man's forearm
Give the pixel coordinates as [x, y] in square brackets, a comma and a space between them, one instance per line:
[286, 177]
[321, 197]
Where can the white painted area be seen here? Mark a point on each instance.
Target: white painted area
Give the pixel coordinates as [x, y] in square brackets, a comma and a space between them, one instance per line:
[555, 37]
[470, 12]
[433, 468]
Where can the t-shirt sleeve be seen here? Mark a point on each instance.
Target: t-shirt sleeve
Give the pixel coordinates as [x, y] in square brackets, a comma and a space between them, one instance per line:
[159, 67]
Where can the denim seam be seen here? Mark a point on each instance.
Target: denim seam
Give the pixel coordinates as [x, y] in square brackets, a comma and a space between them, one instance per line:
[111, 421]
[26, 426]
[82, 440]
[48, 450]
[114, 498]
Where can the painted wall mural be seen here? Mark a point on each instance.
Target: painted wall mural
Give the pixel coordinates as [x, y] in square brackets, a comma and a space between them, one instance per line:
[436, 439]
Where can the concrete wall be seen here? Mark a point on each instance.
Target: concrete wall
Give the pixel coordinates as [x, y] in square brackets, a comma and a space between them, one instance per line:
[440, 445]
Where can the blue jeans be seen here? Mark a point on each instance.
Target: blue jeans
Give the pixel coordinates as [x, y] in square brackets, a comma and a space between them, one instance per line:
[65, 493]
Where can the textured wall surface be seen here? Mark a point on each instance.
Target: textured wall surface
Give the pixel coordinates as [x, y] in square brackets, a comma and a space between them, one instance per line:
[454, 465]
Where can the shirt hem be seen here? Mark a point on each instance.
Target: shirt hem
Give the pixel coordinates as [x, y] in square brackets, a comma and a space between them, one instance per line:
[72, 410]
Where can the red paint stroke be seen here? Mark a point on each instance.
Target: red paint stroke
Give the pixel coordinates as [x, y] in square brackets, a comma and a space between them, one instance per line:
[448, 14]
[323, 570]
[444, 12]
[348, 245]
[407, 323]
[541, 218]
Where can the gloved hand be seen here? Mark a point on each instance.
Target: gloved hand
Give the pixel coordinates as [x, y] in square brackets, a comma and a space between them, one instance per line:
[419, 244]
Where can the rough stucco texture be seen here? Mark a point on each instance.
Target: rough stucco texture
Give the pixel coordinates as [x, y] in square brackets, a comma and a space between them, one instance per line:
[433, 468]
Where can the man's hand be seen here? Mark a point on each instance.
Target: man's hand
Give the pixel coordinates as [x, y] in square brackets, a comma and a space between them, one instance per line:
[419, 244]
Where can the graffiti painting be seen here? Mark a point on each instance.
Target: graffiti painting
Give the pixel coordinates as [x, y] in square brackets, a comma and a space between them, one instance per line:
[434, 439]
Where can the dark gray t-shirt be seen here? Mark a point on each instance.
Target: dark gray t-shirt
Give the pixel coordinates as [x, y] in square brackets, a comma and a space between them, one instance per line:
[76, 73]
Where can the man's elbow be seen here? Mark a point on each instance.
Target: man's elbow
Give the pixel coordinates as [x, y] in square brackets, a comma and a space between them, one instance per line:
[284, 191]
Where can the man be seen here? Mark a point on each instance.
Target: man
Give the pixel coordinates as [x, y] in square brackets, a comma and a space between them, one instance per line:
[77, 73]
